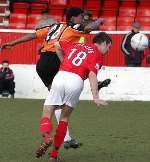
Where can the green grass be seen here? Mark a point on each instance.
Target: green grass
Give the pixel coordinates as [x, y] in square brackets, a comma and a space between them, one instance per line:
[118, 133]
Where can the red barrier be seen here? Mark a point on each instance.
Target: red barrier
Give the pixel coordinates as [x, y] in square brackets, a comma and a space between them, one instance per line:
[27, 53]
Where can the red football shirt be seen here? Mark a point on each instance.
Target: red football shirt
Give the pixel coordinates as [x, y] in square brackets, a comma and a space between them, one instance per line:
[80, 59]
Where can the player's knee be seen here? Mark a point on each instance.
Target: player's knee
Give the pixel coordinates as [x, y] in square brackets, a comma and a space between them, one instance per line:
[65, 119]
[65, 115]
[48, 110]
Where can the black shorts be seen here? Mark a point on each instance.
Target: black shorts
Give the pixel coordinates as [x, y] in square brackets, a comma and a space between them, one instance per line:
[47, 67]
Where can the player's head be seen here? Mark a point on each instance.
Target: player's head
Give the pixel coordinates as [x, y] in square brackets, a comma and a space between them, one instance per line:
[103, 42]
[5, 63]
[136, 26]
[87, 15]
[74, 15]
[45, 13]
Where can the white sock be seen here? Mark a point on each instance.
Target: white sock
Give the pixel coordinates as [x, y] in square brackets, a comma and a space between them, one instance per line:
[57, 115]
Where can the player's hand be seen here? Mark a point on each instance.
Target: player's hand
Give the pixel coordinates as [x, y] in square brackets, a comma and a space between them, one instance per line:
[101, 20]
[100, 102]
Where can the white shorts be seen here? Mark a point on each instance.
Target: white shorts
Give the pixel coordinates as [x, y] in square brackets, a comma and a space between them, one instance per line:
[66, 89]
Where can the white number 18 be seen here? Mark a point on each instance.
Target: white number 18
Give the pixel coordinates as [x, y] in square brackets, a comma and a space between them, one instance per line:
[80, 56]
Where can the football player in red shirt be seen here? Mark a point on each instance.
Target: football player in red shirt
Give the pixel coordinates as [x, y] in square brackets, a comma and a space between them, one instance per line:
[79, 62]
[48, 64]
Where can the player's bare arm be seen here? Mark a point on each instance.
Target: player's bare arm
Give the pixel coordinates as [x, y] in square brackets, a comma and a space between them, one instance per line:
[93, 25]
[93, 85]
[25, 38]
[94, 89]
[59, 51]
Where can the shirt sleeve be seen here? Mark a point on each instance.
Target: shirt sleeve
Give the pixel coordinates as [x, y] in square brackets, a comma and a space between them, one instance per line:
[65, 44]
[94, 64]
[42, 32]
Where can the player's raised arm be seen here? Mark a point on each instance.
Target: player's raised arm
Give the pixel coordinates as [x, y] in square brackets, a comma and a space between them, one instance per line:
[94, 25]
[25, 38]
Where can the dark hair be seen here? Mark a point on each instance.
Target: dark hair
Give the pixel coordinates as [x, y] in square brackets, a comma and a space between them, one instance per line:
[45, 11]
[74, 11]
[102, 37]
[88, 13]
[5, 61]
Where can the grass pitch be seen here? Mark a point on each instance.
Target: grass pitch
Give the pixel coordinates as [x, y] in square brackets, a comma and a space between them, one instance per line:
[118, 133]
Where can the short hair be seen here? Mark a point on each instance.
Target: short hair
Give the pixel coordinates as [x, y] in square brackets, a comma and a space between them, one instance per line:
[5, 61]
[88, 13]
[102, 37]
[45, 11]
[136, 25]
[74, 11]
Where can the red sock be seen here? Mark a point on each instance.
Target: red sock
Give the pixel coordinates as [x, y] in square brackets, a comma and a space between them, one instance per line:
[60, 134]
[45, 128]
[54, 153]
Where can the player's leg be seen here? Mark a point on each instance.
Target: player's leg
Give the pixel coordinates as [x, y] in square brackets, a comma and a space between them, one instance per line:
[45, 129]
[44, 69]
[60, 132]
[68, 141]
[70, 98]
[57, 115]
[54, 98]
[46, 122]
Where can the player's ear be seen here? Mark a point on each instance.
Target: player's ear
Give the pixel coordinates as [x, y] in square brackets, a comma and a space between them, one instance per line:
[72, 19]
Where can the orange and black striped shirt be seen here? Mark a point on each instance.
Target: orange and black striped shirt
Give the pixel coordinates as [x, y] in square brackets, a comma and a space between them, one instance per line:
[59, 32]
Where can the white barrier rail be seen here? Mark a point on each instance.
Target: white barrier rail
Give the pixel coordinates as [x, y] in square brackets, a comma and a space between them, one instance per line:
[93, 32]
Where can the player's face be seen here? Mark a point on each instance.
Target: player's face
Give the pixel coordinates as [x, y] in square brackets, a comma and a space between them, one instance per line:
[86, 17]
[78, 19]
[104, 48]
[5, 65]
[136, 30]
